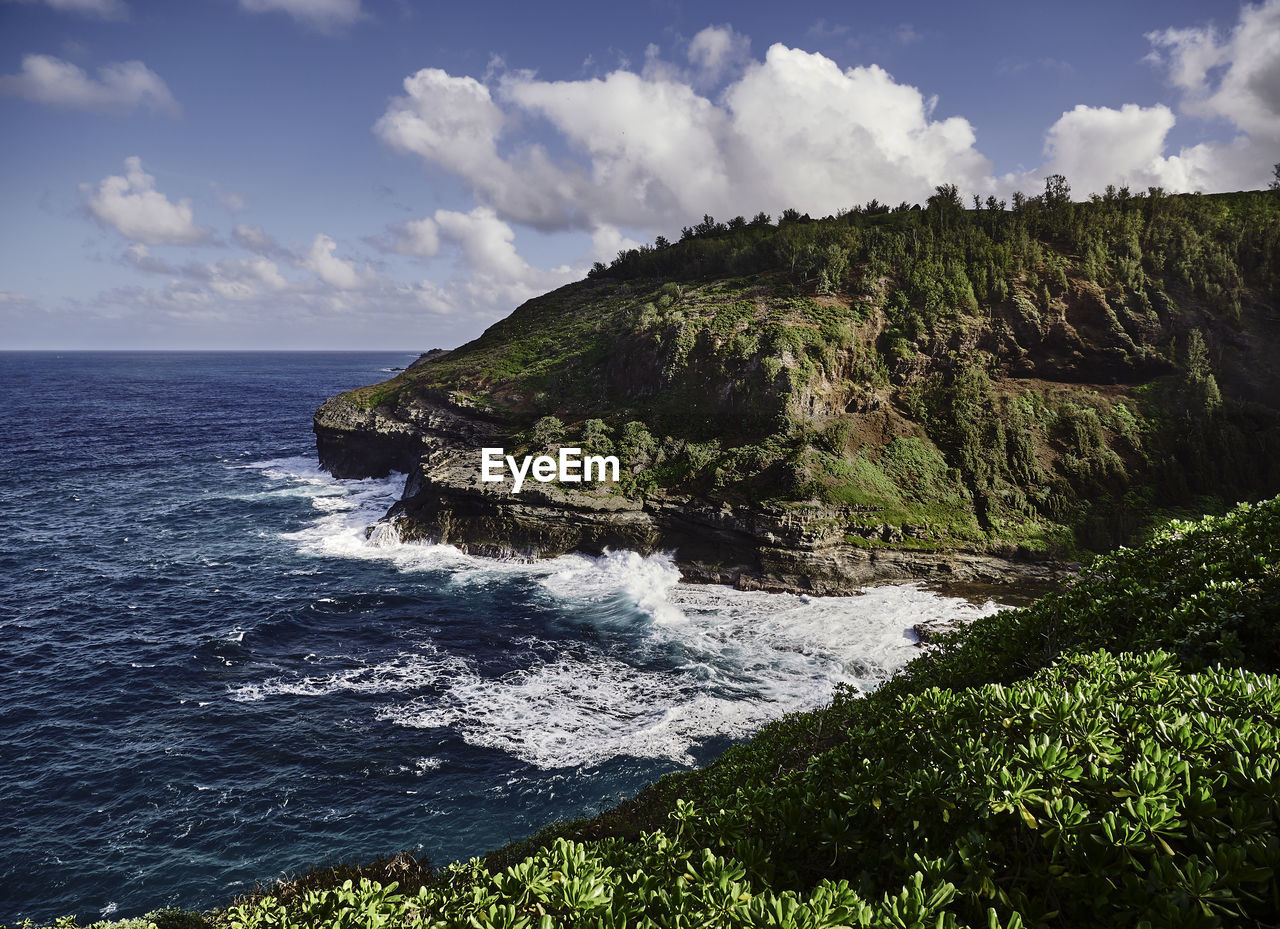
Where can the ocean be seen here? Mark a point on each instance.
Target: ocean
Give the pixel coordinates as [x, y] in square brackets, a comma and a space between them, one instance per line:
[210, 677]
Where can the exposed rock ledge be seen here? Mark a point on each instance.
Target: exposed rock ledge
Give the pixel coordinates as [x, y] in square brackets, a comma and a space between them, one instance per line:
[766, 547]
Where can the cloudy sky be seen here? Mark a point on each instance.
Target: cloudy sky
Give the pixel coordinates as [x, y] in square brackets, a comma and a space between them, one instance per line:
[400, 174]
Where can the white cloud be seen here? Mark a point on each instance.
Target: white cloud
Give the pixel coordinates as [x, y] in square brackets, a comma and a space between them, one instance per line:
[717, 49]
[607, 241]
[236, 279]
[647, 150]
[243, 279]
[101, 9]
[133, 207]
[419, 237]
[492, 277]
[337, 272]
[844, 137]
[119, 87]
[254, 239]
[657, 150]
[488, 243]
[1096, 146]
[1236, 78]
[322, 15]
[651, 152]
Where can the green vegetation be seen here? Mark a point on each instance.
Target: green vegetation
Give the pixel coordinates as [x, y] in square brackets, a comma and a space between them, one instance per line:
[1106, 757]
[1068, 373]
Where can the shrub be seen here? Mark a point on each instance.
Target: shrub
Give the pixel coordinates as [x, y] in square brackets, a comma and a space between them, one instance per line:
[546, 432]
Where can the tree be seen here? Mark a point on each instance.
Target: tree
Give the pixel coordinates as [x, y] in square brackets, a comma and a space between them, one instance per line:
[708, 226]
[1275, 185]
[596, 438]
[946, 205]
[946, 197]
[546, 432]
[1199, 384]
[1056, 190]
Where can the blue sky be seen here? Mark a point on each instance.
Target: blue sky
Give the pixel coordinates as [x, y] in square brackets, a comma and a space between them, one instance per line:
[391, 174]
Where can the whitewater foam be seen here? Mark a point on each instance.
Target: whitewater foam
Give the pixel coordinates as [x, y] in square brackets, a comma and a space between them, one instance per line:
[669, 665]
[407, 671]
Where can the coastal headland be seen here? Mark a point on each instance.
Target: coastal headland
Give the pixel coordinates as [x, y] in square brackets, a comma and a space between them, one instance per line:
[809, 405]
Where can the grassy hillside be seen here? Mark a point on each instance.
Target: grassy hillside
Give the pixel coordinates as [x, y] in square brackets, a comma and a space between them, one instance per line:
[1107, 757]
[1054, 376]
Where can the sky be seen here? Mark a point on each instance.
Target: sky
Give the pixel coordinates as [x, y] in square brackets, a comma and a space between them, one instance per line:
[390, 174]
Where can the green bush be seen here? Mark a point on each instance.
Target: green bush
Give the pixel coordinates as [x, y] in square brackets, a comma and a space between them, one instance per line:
[546, 432]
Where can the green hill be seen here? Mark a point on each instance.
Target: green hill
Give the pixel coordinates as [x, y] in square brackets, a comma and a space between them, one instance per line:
[1044, 380]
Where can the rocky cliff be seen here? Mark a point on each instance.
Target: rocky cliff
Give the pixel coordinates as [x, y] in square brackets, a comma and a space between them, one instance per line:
[770, 546]
[960, 395]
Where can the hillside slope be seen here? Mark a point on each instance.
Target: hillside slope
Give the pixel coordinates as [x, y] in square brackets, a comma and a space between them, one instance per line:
[933, 392]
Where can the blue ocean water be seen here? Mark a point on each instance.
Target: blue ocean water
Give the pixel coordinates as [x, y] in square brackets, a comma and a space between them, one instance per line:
[209, 676]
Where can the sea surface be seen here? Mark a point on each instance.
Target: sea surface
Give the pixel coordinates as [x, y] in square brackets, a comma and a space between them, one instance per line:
[210, 677]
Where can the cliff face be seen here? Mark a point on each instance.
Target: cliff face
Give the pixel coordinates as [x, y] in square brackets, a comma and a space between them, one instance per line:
[975, 399]
[767, 546]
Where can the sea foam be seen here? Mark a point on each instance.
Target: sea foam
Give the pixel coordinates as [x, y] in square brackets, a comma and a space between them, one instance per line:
[667, 665]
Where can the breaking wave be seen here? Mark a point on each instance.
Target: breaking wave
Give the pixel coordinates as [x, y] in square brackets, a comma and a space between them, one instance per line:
[618, 657]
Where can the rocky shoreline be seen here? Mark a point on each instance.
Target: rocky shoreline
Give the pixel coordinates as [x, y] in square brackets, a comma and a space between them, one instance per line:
[799, 548]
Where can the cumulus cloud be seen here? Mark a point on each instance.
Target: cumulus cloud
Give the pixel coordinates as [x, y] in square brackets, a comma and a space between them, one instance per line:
[492, 279]
[651, 151]
[242, 278]
[237, 279]
[453, 124]
[845, 136]
[656, 148]
[339, 273]
[321, 15]
[487, 243]
[716, 50]
[1234, 77]
[133, 207]
[1097, 146]
[119, 87]
[100, 9]
[419, 237]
